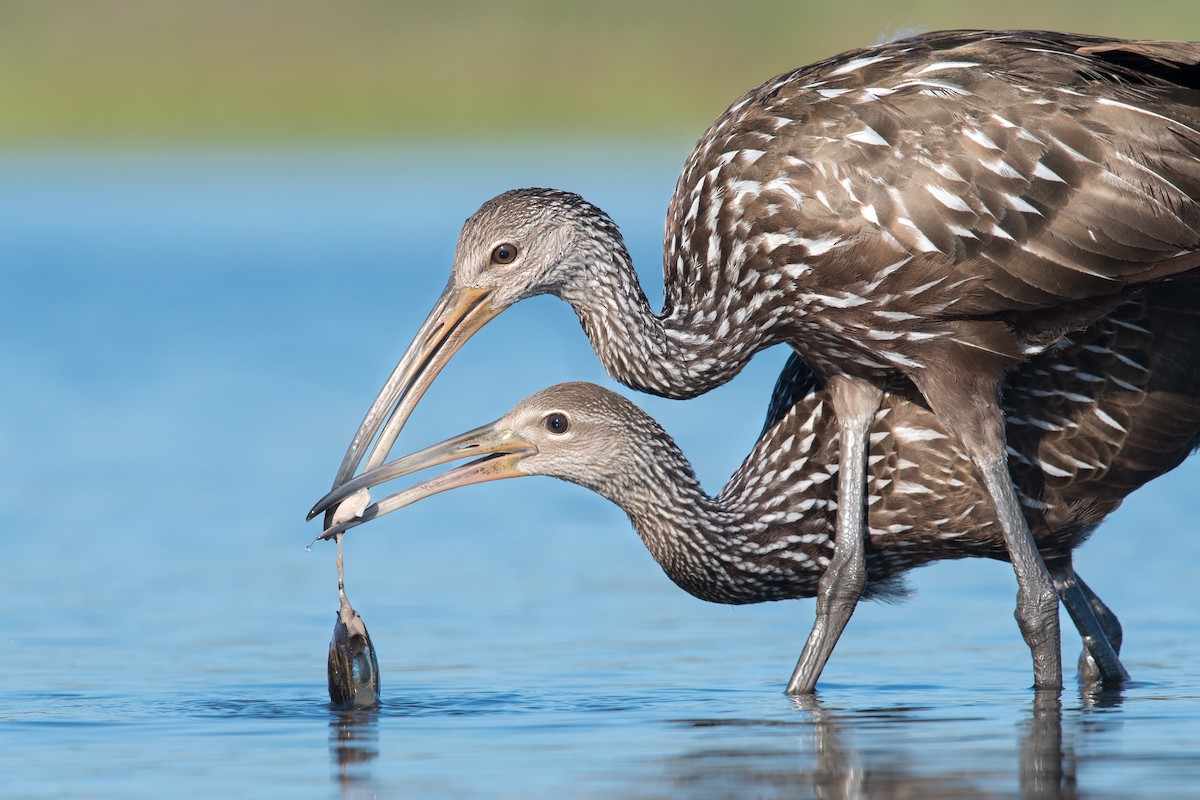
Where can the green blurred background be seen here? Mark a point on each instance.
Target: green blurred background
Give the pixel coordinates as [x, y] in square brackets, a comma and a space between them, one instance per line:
[137, 70]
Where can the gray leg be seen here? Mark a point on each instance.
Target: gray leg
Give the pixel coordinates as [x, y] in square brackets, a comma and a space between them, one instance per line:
[1099, 661]
[1108, 620]
[855, 403]
[971, 404]
[1037, 600]
[1091, 668]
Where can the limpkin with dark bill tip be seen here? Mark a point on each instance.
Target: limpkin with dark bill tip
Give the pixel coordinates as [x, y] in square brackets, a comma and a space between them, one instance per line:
[1111, 408]
[933, 211]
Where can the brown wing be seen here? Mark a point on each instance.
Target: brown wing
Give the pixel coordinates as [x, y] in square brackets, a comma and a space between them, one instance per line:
[1109, 409]
[1020, 170]
[925, 498]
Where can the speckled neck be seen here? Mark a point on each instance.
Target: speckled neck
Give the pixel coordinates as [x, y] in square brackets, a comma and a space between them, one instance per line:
[680, 353]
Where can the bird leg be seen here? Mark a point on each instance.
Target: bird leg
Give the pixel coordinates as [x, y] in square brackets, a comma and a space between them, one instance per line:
[855, 403]
[1108, 620]
[969, 405]
[1097, 624]
[1037, 600]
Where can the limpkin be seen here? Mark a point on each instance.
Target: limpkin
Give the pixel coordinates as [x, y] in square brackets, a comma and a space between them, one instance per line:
[1110, 408]
[930, 211]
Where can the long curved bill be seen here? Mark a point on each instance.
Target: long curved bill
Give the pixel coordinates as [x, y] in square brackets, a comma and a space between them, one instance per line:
[456, 315]
[497, 450]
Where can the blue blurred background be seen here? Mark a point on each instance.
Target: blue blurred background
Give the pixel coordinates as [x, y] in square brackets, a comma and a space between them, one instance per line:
[221, 222]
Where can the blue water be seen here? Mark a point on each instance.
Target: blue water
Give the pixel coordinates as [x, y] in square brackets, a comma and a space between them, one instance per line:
[188, 340]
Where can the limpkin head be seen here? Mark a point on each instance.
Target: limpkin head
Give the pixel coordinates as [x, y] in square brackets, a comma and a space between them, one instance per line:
[527, 242]
[522, 243]
[577, 432]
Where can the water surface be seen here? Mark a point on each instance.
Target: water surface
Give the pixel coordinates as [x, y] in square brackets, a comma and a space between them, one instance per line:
[188, 341]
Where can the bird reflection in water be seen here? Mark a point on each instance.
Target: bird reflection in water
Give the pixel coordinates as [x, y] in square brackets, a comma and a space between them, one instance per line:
[828, 752]
[862, 754]
[353, 750]
[1045, 769]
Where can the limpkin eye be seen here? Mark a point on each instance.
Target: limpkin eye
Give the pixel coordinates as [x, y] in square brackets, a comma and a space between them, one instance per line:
[504, 253]
[556, 423]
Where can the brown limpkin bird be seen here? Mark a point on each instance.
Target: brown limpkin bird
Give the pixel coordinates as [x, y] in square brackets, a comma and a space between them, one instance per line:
[1113, 407]
[928, 212]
